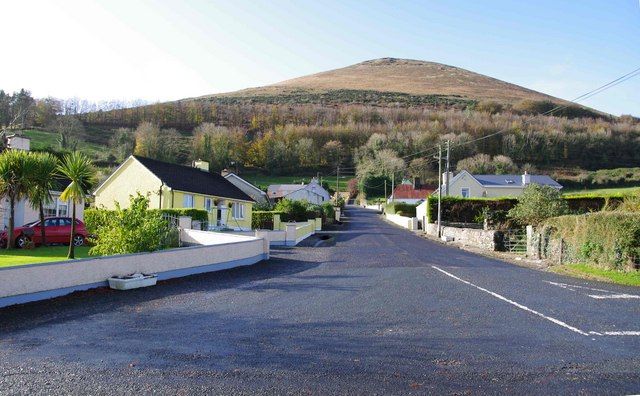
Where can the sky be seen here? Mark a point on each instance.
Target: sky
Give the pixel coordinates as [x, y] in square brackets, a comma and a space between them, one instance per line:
[165, 50]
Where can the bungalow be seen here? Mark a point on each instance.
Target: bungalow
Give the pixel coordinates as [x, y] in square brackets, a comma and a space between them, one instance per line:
[410, 192]
[466, 185]
[312, 192]
[172, 186]
[254, 192]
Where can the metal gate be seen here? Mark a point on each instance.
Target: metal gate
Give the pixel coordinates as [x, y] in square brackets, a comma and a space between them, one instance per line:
[515, 241]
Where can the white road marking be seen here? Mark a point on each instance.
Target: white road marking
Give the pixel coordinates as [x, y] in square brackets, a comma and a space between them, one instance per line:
[621, 333]
[611, 295]
[524, 308]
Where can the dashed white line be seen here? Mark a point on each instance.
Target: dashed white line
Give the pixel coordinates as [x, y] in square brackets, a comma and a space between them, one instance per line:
[613, 296]
[524, 308]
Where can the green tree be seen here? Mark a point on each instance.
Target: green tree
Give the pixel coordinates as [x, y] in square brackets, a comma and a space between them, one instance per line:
[538, 203]
[44, 180]
[78, 169]
[16, 179]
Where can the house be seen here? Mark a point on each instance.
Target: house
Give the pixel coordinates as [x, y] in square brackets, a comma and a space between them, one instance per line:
[466, 185]
[171, 186]
[312, 192]
[25, 213]
[410, 192]
[254, 192]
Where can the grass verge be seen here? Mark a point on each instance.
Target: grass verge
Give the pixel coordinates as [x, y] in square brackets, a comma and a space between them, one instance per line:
[39, 255]
[588, 272]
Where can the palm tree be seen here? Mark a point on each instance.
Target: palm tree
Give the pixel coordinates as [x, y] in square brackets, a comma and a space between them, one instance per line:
[44, 180]
[16, 178]
[78, 169]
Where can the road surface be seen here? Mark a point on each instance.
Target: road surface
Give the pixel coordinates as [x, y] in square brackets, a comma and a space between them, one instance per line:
[382, 312]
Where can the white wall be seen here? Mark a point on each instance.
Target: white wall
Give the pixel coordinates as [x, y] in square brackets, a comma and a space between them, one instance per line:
[41, 281]
[410, 223]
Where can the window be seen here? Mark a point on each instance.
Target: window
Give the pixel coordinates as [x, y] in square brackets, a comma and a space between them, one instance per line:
[65, 222]
[50, 210]
[51, 223]
[62, 209]
[187, 201]
[465, 193]
[207, 204]
[238, 210]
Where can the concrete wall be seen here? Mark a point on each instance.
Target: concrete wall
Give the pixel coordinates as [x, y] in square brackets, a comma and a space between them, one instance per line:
[41, 281]
[483, 239]
[410, 223]
[290, 234]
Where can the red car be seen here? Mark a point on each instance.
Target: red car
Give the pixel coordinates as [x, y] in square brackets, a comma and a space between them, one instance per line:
[57, 230]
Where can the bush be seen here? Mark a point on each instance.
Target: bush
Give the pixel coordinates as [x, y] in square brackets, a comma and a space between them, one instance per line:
[131, 230]
[467, 210]
[538, 203]
[195, 214]
[401, 208]
[292, 210]
[329, 213]
[604, 239]
[263, 220]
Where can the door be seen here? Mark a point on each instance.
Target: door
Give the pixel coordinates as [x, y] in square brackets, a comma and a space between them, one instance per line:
[63, 230]
[50, 230]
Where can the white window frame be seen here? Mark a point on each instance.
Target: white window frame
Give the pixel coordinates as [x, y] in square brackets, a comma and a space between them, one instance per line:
[188, 201]
[237, 211]
[467, 190]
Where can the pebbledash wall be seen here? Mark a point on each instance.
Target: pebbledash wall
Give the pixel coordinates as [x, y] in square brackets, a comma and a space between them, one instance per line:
[214, 252]
[290, 234]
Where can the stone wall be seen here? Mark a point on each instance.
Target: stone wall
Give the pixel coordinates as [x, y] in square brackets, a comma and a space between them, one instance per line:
[483, 239]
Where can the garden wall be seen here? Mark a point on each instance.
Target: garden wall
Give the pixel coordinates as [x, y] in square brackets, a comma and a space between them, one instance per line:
[27, 283]
[410, 223]
[483, 239]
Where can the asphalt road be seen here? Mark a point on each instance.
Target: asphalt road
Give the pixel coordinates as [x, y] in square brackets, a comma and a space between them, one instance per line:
[382, 312]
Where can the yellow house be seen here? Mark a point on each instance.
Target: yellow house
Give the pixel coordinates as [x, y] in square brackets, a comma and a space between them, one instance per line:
[172, 186]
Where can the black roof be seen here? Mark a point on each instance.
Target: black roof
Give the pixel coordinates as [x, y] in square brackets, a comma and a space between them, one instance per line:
[188, 179]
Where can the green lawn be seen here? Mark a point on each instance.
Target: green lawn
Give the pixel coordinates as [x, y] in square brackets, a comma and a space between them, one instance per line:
[42, 140]
[586, 271]
[39, 255]
[604, 192]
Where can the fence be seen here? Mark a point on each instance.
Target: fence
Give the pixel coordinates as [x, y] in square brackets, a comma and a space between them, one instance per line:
[515, 241]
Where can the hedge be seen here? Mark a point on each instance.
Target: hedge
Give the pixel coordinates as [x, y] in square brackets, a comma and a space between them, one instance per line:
[400, 208]
[195, 214]
[603, 239]
[263, 219]
[470, 210]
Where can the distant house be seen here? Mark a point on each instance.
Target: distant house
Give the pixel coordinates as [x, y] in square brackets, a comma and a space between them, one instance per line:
[466, 185]
[254, 192]
[172, 186]
[410, 192]
[312, 192]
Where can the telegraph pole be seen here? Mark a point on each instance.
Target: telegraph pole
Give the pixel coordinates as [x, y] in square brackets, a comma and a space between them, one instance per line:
[447, 182]
[439, 189]
[393, 186]
[337, 183]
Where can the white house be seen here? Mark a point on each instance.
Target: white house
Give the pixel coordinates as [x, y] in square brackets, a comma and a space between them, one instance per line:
[254, 192]
[466, 185]
[312, 192]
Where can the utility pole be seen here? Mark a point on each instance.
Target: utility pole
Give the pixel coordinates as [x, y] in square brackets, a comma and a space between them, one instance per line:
[447, 182]
[393, 186]
[439, 189]
[385, 190]
[337, 183]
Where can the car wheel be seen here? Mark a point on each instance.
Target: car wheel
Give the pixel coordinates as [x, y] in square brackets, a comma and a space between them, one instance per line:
[22, 241]
[78, 240]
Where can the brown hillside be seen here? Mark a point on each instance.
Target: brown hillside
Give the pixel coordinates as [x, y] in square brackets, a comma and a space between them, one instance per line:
[407, 76]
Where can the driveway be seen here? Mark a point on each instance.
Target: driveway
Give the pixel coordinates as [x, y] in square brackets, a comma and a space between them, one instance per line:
[383, 311]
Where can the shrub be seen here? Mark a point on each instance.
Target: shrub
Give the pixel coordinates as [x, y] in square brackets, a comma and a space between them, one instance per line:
[538, 203]
[314, 211]
[329, 213]
[401, 208]
[467, 210]
[263, 220]
[131, 230]
[195, 214]
[292, 210]
[605, 239]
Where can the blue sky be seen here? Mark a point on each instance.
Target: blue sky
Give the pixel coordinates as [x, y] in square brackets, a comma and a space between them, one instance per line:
[161, 50]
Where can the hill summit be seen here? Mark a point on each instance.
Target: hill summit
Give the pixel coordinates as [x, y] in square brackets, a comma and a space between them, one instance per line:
[406, 76]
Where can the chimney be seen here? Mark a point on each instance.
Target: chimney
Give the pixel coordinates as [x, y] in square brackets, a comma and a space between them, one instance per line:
[224, 172]
[446, 177]
[526, 178]
[416, 183]
[202, 165]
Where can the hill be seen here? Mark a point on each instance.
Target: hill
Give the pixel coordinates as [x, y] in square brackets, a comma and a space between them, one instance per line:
[405, 77]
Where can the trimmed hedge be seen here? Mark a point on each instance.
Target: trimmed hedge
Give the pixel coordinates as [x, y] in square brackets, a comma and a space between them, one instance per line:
[470, 210]
[603, 239]
[195, 214]
[263, 219]
[94, 218]
[401, 208]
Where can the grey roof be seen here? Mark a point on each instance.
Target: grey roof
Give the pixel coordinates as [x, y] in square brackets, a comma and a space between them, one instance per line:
[514, 180]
